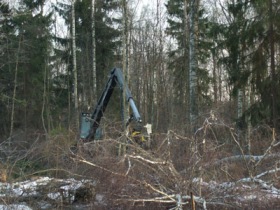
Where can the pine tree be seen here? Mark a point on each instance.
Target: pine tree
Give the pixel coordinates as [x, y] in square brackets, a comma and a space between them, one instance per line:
[256, 38]
[31, 29]
[178, 28]
[8, 48]
[265, 74]
[235, 42]
[102, 59]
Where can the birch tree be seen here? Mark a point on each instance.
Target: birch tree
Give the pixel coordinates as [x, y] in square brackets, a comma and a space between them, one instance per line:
[122, 147]
[77, 116]
[193, 109]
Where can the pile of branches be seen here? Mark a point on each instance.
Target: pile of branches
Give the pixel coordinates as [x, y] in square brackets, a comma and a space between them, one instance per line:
[200, 172]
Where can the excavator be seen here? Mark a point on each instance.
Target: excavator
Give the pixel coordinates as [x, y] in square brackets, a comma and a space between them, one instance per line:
[90, 122]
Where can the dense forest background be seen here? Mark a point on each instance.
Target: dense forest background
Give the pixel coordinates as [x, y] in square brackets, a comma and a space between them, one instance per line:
[205, 74]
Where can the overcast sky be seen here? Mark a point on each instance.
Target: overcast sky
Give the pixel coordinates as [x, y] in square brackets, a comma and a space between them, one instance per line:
[136, 5]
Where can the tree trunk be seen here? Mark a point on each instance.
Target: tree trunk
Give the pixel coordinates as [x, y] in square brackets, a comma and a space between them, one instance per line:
[193, 110]
[248, 117]
[215, 86]
[77, 116]
[122, 147]
[272, 67]
[44, 102]
[94, 81]
[185, 97]
[239, 112]
[14, 94]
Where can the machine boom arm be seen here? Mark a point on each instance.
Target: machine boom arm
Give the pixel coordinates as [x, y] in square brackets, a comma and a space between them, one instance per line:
[90, 123]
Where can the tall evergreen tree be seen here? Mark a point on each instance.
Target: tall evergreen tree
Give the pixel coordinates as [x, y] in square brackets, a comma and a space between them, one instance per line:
[107, 39]
[107, 42]
[178, 28]
[8, 50]
[235, 37]
[33, 27]
[265, 37]
[249, 40]
[30, 27]
[257, 31]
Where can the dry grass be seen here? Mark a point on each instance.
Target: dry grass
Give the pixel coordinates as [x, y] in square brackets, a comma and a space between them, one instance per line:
[175, 165]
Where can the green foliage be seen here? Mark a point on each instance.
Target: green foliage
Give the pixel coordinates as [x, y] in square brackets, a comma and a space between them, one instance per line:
[179, 57]
[241, 46]
[26, 46]
[265, 76]
[25, 167]
[60, 88]
[7, 44]
[33, 4]
[107, 41]
[107, 36]
[247, 39]
[34, 37]
[176, 21]
[58, 131]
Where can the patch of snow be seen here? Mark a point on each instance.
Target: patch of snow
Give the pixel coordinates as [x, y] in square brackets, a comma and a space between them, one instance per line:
[197, 180]
[43, 180]
[99, 198]
[249, 197]
[73, 185]
[15, 207]
[54, 196]
[65, 189]
[44, 205]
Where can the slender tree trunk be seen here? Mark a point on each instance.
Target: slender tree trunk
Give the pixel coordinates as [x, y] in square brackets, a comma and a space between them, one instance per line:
[185, 97]
[220, 83]
[241, 105]
[156, 95]
[69, 100]
[94, 80]
[193, 66]
[239, 112]
[44, 101]
[124, 49]
[14, 93]
[122, 147]
[215, 86]
[248, 117]
[77, 116]
[272, 67]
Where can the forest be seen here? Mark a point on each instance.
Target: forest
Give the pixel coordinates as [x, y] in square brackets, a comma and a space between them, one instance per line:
[205, 74]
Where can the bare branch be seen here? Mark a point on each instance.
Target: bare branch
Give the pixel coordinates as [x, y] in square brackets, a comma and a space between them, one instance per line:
[243, 157]
[269, 148]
